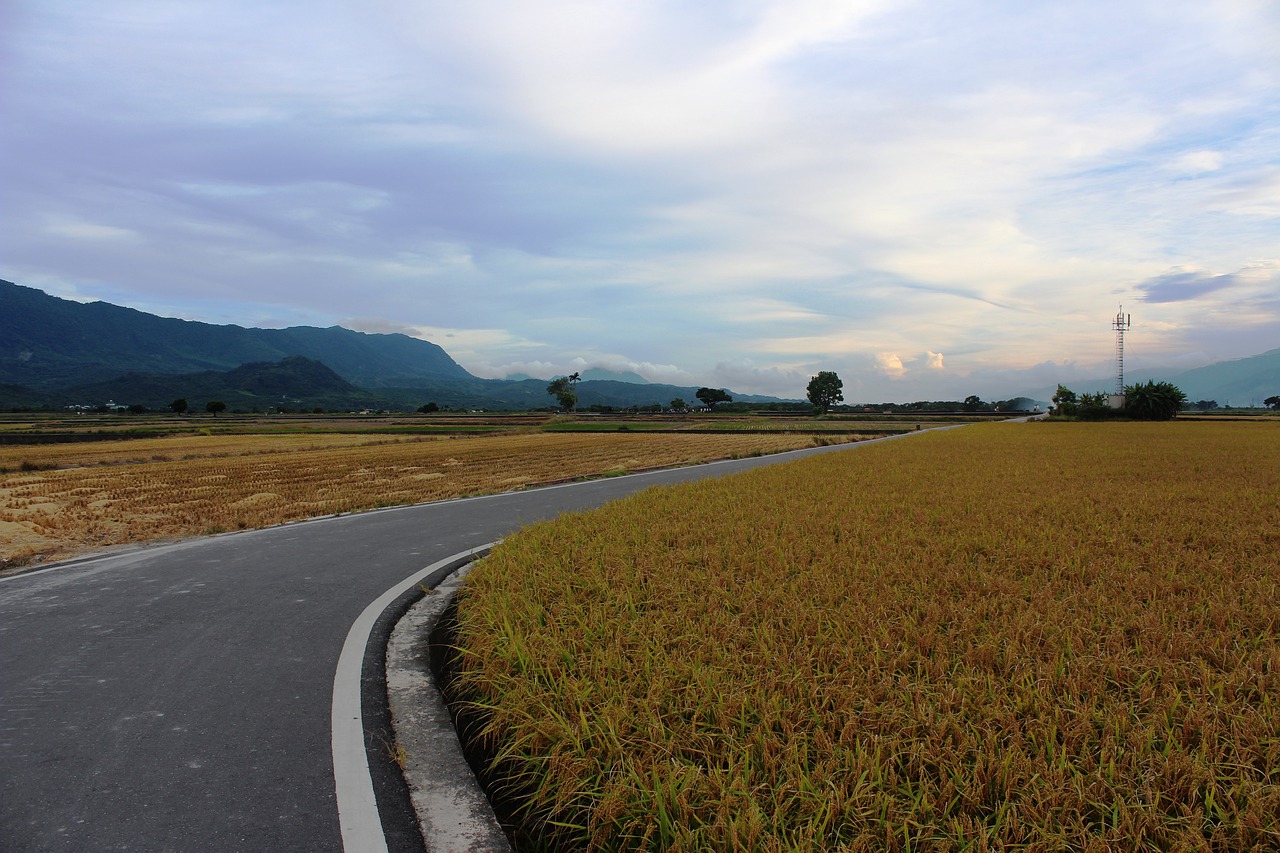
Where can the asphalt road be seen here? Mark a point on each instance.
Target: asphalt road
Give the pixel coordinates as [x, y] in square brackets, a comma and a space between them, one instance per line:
[178, 697]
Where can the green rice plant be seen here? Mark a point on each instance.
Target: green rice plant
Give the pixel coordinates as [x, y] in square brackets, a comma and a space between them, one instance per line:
[1039, 636]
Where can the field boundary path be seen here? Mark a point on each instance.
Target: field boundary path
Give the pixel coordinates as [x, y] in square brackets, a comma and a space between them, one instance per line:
[181, 697]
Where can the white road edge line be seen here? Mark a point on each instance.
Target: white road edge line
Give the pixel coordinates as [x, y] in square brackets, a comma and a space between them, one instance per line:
[357, 805]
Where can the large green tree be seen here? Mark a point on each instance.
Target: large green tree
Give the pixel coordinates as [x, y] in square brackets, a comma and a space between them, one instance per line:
[563, 390]
[1153, 401]
[711, 396]
[825, 390]
[1064, 401]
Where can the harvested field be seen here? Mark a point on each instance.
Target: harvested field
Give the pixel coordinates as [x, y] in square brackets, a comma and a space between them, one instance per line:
[1033, 637]
[174, 448]
[145, 489]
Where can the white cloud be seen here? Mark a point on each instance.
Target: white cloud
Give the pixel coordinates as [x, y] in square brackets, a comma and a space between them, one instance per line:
[89, 231]
[767, 310]
[746, 376]
[475, 347]
[1253, 194]
[536, 369]
[376, 326]
[890, 364]
[1197, 163]
[629, 79]
[663, 374]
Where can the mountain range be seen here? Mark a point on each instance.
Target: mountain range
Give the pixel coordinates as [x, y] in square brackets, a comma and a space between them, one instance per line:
[48, 343]
[57, 352]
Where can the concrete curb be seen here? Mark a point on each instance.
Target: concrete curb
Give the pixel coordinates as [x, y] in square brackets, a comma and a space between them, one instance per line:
[453, 812]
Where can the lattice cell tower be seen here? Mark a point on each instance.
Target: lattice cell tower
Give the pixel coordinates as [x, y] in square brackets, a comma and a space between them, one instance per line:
[1121, 324]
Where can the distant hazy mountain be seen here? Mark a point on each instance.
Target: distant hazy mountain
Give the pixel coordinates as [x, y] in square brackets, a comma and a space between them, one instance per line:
[1239, 382]
[599, 373]
[48, 343]
[593, 373]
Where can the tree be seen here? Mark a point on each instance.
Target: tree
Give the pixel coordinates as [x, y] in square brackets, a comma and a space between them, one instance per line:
[179, 406]
[711, 396]
[678, 404]
[215, 406]
[1153, 401]
[562, 390]
[1206, 405]
[972, 403]
[137, 409]
[1272, 402]
[428, 408]
[825, 390]
[1095, 407]
[1064, 401]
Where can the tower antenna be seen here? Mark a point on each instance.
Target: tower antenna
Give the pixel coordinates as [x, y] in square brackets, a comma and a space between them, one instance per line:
[1121, 324]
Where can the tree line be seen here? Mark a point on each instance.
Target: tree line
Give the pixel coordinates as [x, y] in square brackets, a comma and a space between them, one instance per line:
[1150, 401]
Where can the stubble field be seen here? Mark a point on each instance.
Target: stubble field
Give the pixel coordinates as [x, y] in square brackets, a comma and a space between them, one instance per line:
[1035, 637]
[57, 500]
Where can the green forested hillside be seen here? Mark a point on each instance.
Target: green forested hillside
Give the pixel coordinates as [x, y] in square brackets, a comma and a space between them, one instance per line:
[49, 343]
[293, 383]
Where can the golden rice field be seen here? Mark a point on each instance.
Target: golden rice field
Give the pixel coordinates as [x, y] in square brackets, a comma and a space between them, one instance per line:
[1034, 637]
[106, 493]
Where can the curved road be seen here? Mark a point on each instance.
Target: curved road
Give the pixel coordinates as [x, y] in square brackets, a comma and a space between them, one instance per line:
[178, 697]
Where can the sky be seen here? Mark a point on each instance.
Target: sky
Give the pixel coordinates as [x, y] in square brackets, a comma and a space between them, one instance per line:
[933, 199]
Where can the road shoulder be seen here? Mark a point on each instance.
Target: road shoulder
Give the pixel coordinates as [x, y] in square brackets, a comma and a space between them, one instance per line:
[453, 812]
